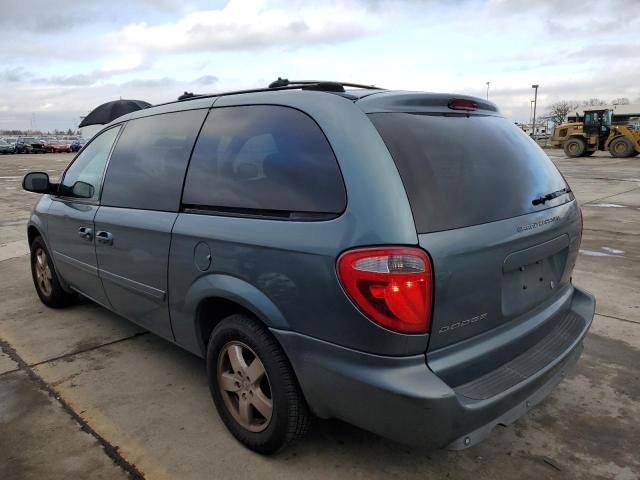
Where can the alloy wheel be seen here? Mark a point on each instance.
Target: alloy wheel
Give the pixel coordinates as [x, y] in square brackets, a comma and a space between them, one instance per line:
[43, 272]
[244, 386]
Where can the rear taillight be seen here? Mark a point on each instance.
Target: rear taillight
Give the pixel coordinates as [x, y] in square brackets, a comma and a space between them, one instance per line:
[392, 286]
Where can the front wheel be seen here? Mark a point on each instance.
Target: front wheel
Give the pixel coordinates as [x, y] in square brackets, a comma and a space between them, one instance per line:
[45, 278]
[621, 147]
[254, 387]
[574, 147]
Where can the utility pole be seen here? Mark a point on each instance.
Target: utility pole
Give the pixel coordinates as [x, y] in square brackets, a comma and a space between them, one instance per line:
[535, 105]
[487, 90]
[530, 112]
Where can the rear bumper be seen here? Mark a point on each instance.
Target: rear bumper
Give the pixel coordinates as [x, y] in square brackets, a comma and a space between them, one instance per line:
[402, 399]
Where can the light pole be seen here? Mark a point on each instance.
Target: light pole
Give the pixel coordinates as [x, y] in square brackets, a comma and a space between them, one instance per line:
[530, 111]
[535, 105]
[487, 90]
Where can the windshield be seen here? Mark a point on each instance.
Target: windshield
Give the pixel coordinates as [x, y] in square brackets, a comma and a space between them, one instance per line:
[464, 170]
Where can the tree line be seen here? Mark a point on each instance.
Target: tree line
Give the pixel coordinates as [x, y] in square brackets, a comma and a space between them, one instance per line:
[39, 132]
[557, 112]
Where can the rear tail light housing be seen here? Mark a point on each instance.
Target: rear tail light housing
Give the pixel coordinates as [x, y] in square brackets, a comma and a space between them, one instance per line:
[393, 286]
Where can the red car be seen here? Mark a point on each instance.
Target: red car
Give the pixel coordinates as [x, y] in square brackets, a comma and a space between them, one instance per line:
[57, 146]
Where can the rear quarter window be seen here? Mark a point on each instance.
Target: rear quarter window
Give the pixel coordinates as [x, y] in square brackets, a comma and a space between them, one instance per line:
[461, 170]
[263, 158]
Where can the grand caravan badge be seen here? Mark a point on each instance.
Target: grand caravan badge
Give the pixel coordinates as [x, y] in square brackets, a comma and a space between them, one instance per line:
[541, 223]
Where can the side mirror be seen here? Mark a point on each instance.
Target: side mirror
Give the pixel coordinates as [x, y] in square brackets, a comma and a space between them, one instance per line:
[36, 182]
[82, 190]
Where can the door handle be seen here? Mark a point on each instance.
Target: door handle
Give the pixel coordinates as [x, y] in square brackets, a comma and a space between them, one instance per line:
[104, 237]
[85, 233]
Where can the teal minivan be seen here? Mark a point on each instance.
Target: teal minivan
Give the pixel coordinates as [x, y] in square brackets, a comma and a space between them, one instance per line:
[398, 260]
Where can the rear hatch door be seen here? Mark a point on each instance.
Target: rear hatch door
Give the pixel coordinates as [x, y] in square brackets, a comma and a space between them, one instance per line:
[494, 213]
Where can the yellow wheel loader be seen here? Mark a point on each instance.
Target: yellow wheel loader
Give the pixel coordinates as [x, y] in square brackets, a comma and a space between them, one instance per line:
[581, 139]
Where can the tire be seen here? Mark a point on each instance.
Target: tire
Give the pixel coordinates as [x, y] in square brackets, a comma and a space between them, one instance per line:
[50, 292]
[289, 417]
[621, 147]
[574, 147]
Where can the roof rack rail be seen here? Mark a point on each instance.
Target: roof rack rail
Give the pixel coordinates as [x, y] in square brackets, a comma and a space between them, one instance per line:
[282, 84]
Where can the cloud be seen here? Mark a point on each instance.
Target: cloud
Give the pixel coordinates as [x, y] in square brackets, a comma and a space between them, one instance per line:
[79, 80]
[236, 27]
[612, 51]
[14, 74]
[56, 98]
[569, 18]
[41, 17]
[206, 80]
[149, 83]
[61, 62]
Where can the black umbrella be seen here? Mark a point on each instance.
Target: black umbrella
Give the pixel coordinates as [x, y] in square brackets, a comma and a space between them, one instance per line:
[109, 111]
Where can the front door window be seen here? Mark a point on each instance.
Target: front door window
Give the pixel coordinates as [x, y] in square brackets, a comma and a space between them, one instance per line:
[84, 175]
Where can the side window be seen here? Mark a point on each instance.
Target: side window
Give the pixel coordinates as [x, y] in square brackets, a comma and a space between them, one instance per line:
[263, 157]
[147, 166]
[88, 167]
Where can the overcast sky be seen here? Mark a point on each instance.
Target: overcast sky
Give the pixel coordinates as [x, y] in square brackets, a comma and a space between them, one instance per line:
[61, 58]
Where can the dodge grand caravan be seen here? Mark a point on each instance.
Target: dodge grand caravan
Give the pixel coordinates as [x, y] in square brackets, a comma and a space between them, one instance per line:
[398, 260]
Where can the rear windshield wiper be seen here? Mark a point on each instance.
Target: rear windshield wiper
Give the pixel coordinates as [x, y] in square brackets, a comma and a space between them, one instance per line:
[550, 196]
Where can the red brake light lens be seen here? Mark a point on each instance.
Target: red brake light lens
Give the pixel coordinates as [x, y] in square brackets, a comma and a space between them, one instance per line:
[462, 104]
[392, 286]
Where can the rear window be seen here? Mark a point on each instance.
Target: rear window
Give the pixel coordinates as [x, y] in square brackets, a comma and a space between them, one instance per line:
[463, 170]
[263, 159]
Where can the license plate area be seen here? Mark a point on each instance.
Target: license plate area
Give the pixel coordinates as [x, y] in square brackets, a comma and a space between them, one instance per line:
[533, 275]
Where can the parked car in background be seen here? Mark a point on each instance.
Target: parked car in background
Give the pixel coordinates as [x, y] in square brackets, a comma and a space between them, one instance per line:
[6, 147]
[76, 145]
[29, 145]
[57, 146]
[333, 252]
[11, 141]
[23, 144]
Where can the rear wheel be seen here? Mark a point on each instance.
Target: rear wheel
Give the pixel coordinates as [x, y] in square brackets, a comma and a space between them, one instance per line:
[621, 147]
[254, 387]
[574, 147]
[45, 278]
